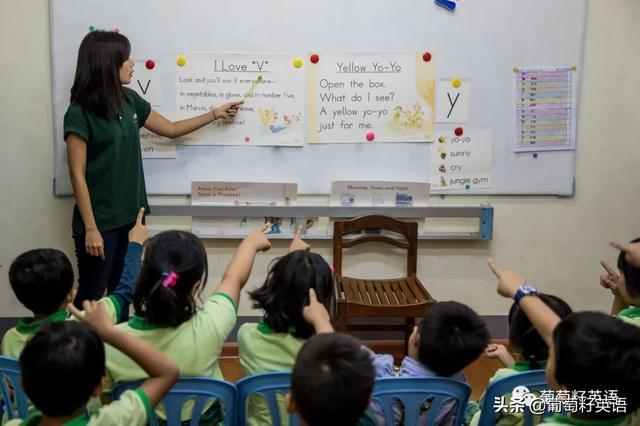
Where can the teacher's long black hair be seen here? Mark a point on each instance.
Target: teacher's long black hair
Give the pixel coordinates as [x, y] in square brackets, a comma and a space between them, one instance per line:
[96, 86]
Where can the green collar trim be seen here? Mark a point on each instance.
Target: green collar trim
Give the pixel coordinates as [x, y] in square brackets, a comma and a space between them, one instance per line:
[140, 323]
[34, 419]
[521, 366]
[265, 329]
[566, 420]
[30, 326]
[630, 313]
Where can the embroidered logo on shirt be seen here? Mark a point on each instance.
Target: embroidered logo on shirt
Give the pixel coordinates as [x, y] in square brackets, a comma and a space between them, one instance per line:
[135, 116]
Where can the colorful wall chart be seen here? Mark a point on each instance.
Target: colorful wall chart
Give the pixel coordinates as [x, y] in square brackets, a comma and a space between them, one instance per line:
[462, 161]
[371, 97]
[545, 109]
[270, 85]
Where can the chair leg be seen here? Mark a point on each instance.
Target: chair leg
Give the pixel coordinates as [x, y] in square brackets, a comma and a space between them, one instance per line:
[409, 324]
[341, 318]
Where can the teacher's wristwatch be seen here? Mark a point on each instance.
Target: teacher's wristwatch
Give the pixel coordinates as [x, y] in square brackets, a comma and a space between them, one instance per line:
[525, 290]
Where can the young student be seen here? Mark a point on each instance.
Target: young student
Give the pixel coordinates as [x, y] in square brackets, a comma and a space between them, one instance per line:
[101, 129]
[63, 366]
[588, 352]
[450, 337]
[173, 275]
[332, 378]
[533, 354]
[42, 280]
[625, 287]
[273, 344]
[331, 382]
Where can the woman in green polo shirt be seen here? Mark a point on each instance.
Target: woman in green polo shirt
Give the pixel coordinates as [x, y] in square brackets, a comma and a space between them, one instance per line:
[101, 129]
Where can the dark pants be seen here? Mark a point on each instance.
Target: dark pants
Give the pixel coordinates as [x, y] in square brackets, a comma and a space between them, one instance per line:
[96, 275]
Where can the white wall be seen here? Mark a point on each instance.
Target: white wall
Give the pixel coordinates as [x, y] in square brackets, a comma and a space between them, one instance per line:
[556, 242]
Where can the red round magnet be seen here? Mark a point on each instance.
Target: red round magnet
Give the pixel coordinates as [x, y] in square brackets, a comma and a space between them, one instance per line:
[426, 56]
[370, 136]
[314, 58]
[458, 131]
[247, 138]
[150, 64]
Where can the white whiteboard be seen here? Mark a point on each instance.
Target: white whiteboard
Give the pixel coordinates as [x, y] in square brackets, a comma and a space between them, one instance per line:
[482, 41]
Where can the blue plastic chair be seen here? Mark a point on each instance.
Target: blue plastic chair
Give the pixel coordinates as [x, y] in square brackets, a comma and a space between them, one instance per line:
[197, 389]
[13, 396]
[534, 380]
[413, 391]
[267, 385]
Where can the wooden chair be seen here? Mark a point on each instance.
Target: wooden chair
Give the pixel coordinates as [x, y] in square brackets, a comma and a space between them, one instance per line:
[403, 297]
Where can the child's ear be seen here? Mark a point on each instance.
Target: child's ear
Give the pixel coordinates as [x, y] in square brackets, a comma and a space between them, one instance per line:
[97, 391]
[291, 404]
[71, 296]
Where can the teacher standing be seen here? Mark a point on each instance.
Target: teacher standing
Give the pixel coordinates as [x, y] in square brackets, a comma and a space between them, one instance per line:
[101, 129]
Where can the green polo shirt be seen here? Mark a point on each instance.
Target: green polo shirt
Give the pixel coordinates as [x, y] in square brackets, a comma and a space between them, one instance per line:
[133, 408]
[194, 345]
[630, 316]
[263, 350]
[114, 172]
[17, 337]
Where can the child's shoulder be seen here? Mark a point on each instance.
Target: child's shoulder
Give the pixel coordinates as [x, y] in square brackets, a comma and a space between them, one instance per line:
[133, 407]
[13, 342]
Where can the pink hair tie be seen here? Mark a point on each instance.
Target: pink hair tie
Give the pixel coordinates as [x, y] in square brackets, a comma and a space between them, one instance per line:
[170, 279]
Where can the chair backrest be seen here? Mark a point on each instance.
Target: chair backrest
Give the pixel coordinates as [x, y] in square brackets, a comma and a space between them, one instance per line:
[13, 396]
[267, 385]
[408, 230]
[534, 380]
[413, 391]
[200, 390]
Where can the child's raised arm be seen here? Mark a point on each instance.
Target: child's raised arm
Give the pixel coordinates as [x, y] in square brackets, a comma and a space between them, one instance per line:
[540, 315]
[163, 372]
[297, 243]
[316, 314]
[239, 269]
[611, 281]
[138, 235]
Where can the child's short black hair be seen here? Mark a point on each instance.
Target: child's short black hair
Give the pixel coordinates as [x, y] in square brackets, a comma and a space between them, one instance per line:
[170, 303]
[285, 292]
[41, 279]
[332, 380]
[523, 335]
[594, 351]
[61, 366]
[631, 273]
[452, 336]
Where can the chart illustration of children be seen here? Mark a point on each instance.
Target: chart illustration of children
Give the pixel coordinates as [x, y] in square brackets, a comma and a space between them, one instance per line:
[409, 120]
[271, 120]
